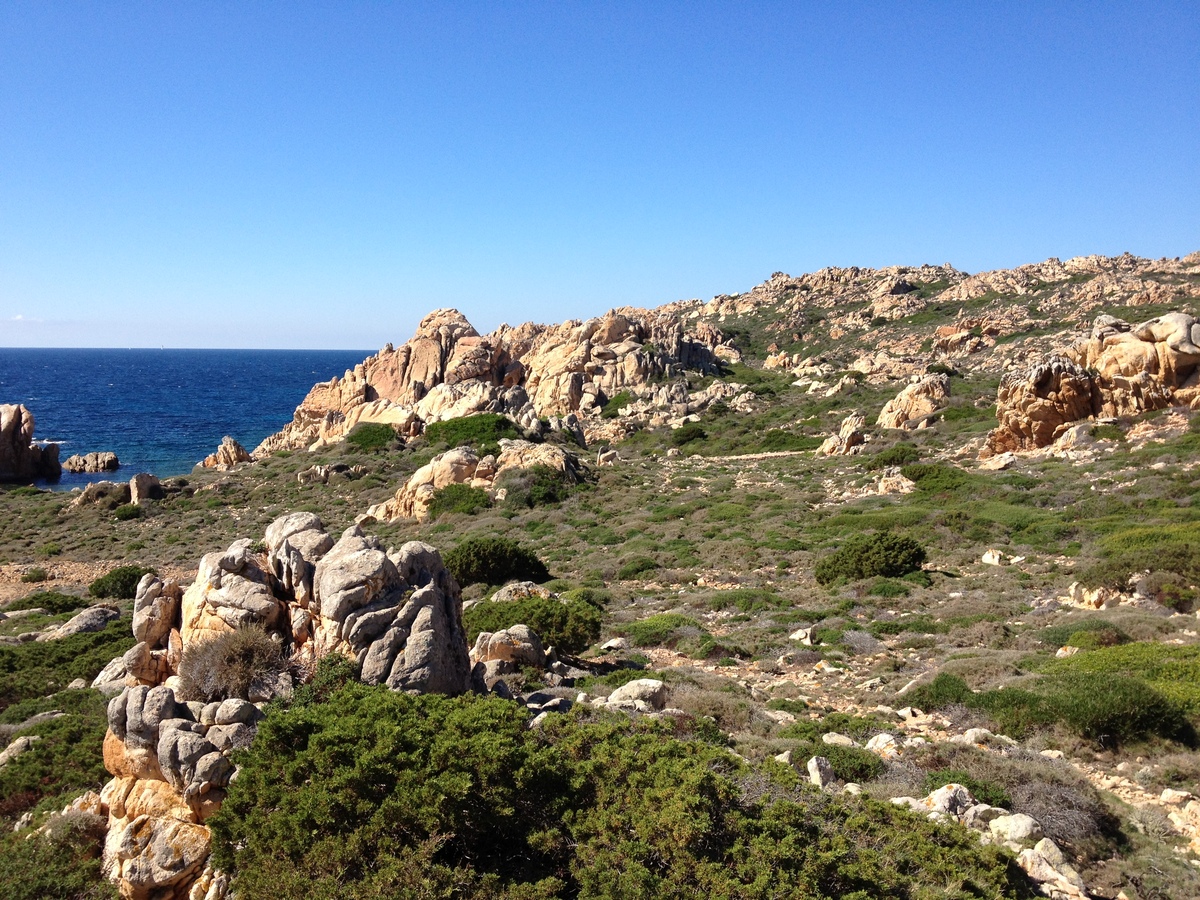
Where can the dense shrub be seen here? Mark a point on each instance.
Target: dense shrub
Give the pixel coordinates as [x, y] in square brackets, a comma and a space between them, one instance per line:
[375, 793]
[778, 440]
[482, 431]
[1088, 634]
[63, 864]
[372, 436]
[937, 478]
[127, 511]
[458, 498]
[1173, 549]
[36, 669]
[899, 455]
[65, 760]
[612, 406]
[983, 791]
[535, 486]
[570, 627]
[35, 575]
[634, 566]
[686, 434]
[51, 601]
[657, 630]
[228, 664]
[120, 584]
[868, 555]
[494, 560]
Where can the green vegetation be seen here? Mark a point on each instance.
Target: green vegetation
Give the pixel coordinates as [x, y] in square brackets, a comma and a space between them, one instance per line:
[61, 865]
[482, 431]
[127, 511]
[458, 498]
[457, 797]
[571, 626]
[613, 405]
[494, 560]
[33, 670]
[865, 556]
[120, 584]
[899, 455]
[535, 486]
[372, 437]
[51, 601]
[35, 575]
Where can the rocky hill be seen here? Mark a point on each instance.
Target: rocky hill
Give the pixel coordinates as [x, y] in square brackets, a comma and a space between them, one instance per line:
[860, 583]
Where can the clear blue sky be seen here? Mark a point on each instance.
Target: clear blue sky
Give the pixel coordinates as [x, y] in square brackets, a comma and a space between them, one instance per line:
[321, 175]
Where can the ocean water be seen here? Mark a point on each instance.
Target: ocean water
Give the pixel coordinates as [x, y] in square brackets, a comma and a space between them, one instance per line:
[160, 411]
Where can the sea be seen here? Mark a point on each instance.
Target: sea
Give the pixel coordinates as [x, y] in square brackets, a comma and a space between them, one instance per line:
[160, 411]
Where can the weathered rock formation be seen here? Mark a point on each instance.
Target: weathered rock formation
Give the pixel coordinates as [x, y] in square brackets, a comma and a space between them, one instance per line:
[463, 466]
[20, 458]
[397, 613]
[913, 406]
[227, 455]
[448, 370]
[104, 461]
[848, 440]
[1118, 370]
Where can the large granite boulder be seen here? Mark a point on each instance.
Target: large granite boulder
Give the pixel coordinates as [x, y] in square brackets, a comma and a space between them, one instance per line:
[102, 461]
[20, 458]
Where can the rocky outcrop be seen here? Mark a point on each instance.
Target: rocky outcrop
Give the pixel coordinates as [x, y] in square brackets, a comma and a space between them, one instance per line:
[105, 461]
[229, 454]
[20, 458]
[848, 440]
[913, 406]
[463, 466]
[448, 370]
[1118, 370]
[397, 613]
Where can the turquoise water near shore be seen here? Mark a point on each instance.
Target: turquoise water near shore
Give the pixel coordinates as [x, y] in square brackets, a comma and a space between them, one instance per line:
[160, 411]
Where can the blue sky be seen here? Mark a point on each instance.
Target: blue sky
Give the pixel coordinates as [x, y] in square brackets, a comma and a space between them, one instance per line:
[321, 175]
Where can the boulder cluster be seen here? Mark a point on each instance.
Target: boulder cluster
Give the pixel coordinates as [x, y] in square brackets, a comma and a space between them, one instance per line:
[448, 370]
[1117, 370]
[397, 613]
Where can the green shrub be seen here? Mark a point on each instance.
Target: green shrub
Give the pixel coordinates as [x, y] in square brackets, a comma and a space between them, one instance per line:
[61, 865]
[535, 486]
[458, 498]
[1173, 671]
[687, 434]
[35, 575]
[372, 436]
[457, 797]
[1115, 710]
[945, 690]
[51, 601]
[937, 478]
[33, 670]
[887, 587]
[120, 584]
[570, 627]
[748, 600]
[777, 440]
[634, 566]
[868, 555]
[494, 560]
[613, 405]
[659, 630]
[1089, 634]
[899, 455]
[67, 757]
[127, 511]
[983, 791]
[50, 548]
[482, 431]
[229, 664]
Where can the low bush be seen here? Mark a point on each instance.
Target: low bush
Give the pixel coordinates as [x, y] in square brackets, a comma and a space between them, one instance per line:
[937, 478]
[119, 584]
[482, 431]
[229, 664]
[983, 791]
[658, 630]
[458, 797]
[535, 486]
[51, 601]
[458, 498]
[613, 405]
[371, 437]
[127, 511]
[899, 455]
[868, 555]
[570, 627]
[494, 560]
[1089, 634]
[63, 864]
[35, 575]
[634, 566]
[33, 670]
[687, 434]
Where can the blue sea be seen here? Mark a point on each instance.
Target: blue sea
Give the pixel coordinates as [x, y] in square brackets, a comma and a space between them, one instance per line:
[161, 411]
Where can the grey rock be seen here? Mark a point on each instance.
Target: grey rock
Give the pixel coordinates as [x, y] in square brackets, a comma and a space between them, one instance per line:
[94, 618]
[820, 772]
[155, 609]
[234, 711]
[1017, 827]
[353, 574]
[642, 693]
[227, 738]
[144, 486]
